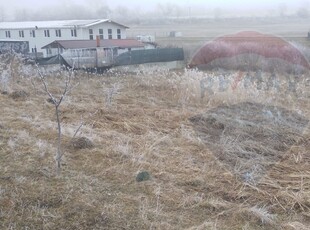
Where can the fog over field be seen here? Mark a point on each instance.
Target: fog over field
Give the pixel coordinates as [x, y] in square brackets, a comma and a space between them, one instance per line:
[202, 122]
[18, 10]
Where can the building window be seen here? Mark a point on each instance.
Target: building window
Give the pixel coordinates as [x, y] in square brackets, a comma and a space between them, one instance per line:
[46, 33]
[110, 34]
[32, 33]
[8, 34]
[91, 34]
[58, 33]
[73, 33]
[101, 34]
[21, 33]
[119, 34]
[34, 50]
[48, 51]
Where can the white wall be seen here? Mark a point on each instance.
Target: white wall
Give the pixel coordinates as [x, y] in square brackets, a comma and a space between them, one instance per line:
[82, 33]
[105, 27]
[40, 40]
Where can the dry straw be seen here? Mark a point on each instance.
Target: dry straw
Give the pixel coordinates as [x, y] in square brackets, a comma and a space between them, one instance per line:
[148, 127]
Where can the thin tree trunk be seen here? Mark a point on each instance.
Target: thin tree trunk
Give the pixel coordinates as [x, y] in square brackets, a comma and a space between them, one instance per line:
[59, 153]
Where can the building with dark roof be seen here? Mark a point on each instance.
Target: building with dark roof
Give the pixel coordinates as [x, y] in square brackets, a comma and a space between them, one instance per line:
[92, 53]
[119, 45]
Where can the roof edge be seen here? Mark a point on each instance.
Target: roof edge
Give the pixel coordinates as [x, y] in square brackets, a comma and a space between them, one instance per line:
[105, 20]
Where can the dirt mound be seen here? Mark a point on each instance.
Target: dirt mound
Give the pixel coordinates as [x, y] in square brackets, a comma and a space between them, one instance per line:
[19, 95]
[249, 137]
[81, 143]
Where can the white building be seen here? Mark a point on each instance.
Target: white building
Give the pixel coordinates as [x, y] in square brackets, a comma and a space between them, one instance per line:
[41, 33]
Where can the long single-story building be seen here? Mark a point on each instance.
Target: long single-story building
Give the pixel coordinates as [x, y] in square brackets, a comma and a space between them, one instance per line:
[92, 53]
[118, 45]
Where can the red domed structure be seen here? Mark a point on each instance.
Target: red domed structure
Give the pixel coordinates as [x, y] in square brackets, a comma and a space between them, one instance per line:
[251, 51]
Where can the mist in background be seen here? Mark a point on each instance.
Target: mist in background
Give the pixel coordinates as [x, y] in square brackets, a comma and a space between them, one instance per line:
[139, 12]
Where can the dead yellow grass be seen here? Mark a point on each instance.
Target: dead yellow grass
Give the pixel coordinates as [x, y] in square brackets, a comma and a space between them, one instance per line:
[144, 127]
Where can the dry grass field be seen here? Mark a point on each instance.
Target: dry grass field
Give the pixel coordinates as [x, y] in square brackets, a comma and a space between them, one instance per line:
[222, 159]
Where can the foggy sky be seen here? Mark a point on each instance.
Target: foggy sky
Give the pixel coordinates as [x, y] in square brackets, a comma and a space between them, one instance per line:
[9, 7]
[149, 4]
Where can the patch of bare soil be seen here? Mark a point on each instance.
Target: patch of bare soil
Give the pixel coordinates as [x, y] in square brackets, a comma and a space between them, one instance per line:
[249, 138]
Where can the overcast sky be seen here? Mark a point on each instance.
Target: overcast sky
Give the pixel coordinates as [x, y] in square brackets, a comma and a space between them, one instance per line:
[151, 3]
[9, 6]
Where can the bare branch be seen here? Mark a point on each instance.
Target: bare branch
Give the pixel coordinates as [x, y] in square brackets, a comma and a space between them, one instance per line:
[77, 130]
[67, 89]
[83, 122]
[42, 78]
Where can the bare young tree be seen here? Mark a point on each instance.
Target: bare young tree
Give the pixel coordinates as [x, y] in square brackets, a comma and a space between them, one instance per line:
[57, 102]
[110, 92]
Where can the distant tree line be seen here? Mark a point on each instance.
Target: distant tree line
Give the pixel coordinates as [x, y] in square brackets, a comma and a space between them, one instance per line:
[98, 9]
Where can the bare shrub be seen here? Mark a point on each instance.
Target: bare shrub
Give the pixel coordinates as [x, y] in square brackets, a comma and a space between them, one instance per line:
[110, 93]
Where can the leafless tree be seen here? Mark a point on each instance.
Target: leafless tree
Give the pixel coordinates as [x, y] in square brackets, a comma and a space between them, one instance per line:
[57, 102]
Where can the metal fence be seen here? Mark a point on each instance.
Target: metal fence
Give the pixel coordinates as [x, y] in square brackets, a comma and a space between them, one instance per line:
[135, 57]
